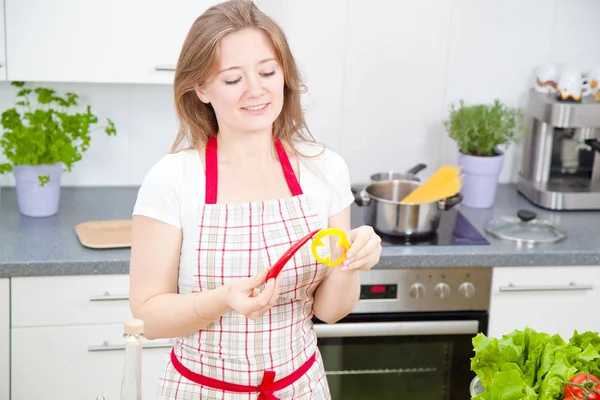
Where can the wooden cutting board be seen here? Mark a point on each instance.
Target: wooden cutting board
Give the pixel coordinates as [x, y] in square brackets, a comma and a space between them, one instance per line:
[111, 234]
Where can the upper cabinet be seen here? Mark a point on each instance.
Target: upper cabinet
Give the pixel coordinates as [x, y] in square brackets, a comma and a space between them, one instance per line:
[2, 41]
[108, 41]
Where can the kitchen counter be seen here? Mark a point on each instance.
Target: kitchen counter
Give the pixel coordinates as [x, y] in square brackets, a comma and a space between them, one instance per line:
[49, 246]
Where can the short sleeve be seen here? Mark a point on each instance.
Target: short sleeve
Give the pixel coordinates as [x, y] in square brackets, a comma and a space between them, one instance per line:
[159, 194]
[339, 178]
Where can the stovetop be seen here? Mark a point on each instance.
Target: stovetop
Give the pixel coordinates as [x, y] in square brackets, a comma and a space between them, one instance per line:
[454, 230]
[441, 289]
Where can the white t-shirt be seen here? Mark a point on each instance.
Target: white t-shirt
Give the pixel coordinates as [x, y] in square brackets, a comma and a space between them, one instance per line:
[174, 188]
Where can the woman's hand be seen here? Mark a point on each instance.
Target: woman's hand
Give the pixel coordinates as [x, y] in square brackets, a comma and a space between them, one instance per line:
[364, 250]
[245, 297]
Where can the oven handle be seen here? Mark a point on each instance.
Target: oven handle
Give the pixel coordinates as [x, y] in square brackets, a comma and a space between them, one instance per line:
[364, 329]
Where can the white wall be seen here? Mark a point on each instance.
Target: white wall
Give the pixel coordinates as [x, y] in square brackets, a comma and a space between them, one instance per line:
[381, 75]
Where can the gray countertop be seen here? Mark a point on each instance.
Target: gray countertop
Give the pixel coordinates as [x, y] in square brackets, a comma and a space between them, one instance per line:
[49, 246]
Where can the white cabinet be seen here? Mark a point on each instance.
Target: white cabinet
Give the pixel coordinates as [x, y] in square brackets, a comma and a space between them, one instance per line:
[2, 47]
[70, 300]
[78, 362]
[67, 336]
[4, 338]
[115, 41]
[556, 300]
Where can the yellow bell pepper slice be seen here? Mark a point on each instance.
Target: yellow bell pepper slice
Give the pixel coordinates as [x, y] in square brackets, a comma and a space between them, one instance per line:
[318, 241]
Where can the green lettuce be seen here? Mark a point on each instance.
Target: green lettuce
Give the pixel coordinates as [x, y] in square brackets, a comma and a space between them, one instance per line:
[508, 385]
[530, 365]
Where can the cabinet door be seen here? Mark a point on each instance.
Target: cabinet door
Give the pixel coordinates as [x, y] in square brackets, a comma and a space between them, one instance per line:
[69, 300]
[2, 48]
[74, 363]
[556, 300]
[4, 338]
[114, 41]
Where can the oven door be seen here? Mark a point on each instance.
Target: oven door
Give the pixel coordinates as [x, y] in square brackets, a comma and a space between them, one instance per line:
[400, 356]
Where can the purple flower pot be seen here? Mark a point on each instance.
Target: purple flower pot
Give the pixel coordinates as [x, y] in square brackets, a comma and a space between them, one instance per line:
[35, 200]
[480, 179]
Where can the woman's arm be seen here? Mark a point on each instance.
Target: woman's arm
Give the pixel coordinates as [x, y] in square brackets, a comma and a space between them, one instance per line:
[154, 270]
[338, 293]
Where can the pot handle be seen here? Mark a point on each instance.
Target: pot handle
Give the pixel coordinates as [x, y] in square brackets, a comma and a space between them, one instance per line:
[360, 197]
[450, 202]
[416, 169]
[594, 144]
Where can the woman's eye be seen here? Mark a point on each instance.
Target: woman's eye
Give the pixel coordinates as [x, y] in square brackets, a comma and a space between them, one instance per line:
[264, 75]
[233, 82]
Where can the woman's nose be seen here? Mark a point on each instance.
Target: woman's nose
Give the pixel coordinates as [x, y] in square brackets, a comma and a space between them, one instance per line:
[255, 87]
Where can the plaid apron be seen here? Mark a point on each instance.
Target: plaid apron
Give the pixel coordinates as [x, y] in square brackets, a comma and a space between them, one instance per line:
[240, 240]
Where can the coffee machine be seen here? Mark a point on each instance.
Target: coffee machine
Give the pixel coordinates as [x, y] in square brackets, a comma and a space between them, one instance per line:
[560, 169]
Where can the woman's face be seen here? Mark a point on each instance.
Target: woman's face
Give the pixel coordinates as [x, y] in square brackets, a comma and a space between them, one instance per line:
[247, 92]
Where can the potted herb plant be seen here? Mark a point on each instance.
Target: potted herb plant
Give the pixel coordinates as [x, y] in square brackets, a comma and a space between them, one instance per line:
[42, 135]
[479, 130]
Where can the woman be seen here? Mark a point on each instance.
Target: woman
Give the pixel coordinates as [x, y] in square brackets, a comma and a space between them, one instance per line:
[211, 219]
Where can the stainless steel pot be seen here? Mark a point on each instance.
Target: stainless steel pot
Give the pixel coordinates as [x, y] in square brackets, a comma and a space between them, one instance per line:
[410, 175]
[386, 215]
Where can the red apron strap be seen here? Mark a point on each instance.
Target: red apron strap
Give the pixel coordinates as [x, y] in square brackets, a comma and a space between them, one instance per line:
[265, 390]
[212, 174]
[288, 171]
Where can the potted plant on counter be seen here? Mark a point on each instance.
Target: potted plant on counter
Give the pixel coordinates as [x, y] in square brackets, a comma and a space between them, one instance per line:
[42, 135]
[479, 130]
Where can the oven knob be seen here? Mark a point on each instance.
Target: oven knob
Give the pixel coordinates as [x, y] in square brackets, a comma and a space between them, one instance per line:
[442, 290]
[416, 290]
[466, 289]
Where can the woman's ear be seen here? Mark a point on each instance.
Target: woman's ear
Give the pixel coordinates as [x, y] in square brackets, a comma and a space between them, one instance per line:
[201, 93]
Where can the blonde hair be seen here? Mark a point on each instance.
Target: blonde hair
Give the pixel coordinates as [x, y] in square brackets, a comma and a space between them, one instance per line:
[197, 63]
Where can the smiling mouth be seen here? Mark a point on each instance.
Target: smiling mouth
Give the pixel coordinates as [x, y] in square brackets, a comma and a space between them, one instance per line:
[256, 107]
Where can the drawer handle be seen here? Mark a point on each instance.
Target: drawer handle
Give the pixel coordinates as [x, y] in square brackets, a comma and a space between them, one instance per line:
[105, 346]
[109, 297]
[167, 67]
[571, 286]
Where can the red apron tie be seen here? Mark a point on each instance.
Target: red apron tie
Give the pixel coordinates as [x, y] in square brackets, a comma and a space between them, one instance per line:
[266, 386]
[265, 390]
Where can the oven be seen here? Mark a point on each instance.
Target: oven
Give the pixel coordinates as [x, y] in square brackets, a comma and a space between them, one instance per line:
[409, 336]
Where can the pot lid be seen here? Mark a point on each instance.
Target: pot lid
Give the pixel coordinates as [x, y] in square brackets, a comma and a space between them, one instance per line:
[525, 229]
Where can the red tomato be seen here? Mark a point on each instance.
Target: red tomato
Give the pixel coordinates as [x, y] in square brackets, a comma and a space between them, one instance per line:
[585, 384]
